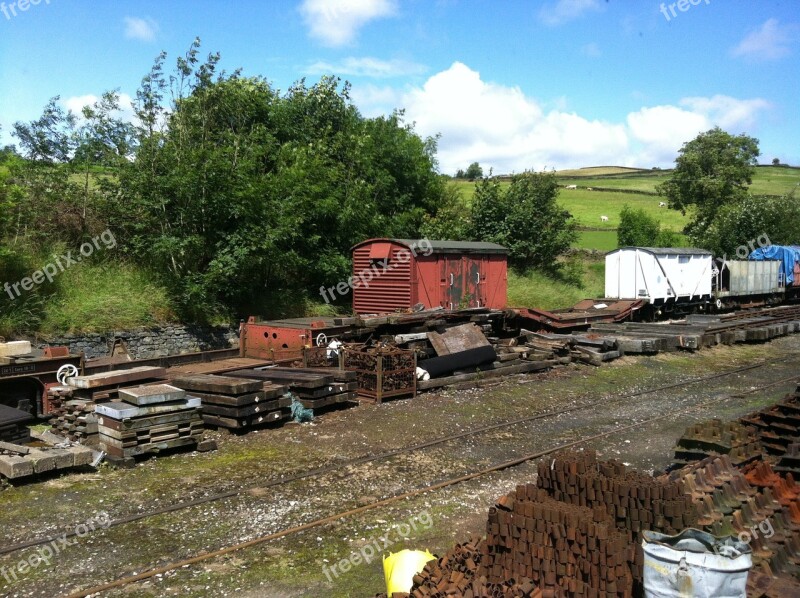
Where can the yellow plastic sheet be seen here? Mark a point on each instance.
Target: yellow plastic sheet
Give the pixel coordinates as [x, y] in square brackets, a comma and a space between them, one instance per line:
[401, 567]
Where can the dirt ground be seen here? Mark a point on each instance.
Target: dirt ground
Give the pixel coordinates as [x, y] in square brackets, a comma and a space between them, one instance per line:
[310, 563]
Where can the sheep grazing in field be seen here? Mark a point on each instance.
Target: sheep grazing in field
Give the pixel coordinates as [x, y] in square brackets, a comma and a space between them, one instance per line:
[571, 187]
[662, 204]
[604, 218]
[588, 188]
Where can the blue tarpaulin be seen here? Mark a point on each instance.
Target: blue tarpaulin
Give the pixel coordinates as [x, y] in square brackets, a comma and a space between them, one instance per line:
[786, 254]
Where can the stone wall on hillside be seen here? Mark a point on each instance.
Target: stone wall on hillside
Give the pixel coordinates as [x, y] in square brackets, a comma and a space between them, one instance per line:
[144, 343]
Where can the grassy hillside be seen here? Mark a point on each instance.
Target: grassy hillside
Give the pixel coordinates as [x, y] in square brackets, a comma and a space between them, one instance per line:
[614, 186]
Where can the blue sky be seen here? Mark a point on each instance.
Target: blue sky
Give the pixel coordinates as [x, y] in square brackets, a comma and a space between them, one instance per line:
[512, 84]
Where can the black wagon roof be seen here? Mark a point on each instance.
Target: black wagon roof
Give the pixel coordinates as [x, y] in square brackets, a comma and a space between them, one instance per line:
[438, 246]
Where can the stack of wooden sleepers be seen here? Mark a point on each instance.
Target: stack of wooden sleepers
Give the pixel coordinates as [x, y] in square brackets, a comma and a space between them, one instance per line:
[13, 425]
[315, 388]
[50, 454]
[234, 403]
[149, 419]
[74, 411]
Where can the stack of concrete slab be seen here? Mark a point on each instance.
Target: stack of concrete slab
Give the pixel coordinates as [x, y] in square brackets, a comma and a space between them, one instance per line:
[149, 419]
[50, 454]
[14, 349]
[13, 424]
[236, 403]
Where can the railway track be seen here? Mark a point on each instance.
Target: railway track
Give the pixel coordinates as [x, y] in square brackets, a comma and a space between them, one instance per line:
[324, 470]
[205, 556]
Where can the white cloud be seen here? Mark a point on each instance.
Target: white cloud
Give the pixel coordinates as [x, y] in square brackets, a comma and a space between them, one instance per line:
[336, 22]
[506, 130]
[367, 67]
[501, 128]
[727, 112]
[77, 103]
[566, 10]
[141, 29]
[770, 41]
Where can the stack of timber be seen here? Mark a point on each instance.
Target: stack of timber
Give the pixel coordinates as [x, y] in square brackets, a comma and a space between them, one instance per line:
[75, 420]
[73, 406]
[698, 331]
[104, 386]
[237, 404]
[50, 454]
[314, 388]
[149, 419]
[14, 425]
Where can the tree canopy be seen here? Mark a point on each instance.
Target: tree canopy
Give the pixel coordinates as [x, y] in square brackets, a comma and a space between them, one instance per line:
[233, 193]
[524, 217]
[712, 170]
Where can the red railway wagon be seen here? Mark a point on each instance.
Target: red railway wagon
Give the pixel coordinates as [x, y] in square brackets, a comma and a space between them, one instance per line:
[397, 274]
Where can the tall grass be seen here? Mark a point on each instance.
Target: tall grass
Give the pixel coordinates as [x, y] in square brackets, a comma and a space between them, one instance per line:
[105, 296]
[537, 289]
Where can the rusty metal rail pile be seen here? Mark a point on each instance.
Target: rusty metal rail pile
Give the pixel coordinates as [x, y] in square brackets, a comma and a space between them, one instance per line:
[234, 403]
[778, 429]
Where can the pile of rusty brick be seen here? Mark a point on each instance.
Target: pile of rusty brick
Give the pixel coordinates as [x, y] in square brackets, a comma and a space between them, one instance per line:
[715, 437]
[778, 426]
[576, 532]
[237, 404]
[147, 420]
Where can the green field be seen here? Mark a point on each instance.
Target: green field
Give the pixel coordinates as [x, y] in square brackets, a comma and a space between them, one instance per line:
[614, 186]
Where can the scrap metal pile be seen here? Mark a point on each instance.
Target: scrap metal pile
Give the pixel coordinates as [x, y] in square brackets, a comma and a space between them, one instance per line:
[578, 530]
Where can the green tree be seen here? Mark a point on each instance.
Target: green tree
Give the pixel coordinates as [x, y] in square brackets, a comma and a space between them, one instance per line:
[239, 195]
[526, 218]
[489, 212]
[452, 220]
[712, 170]
[474, 172]
[754, 218]
[638, 229]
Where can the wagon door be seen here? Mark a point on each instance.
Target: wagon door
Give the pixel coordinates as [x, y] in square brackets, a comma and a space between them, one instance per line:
[475, 281]
[452, 280]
